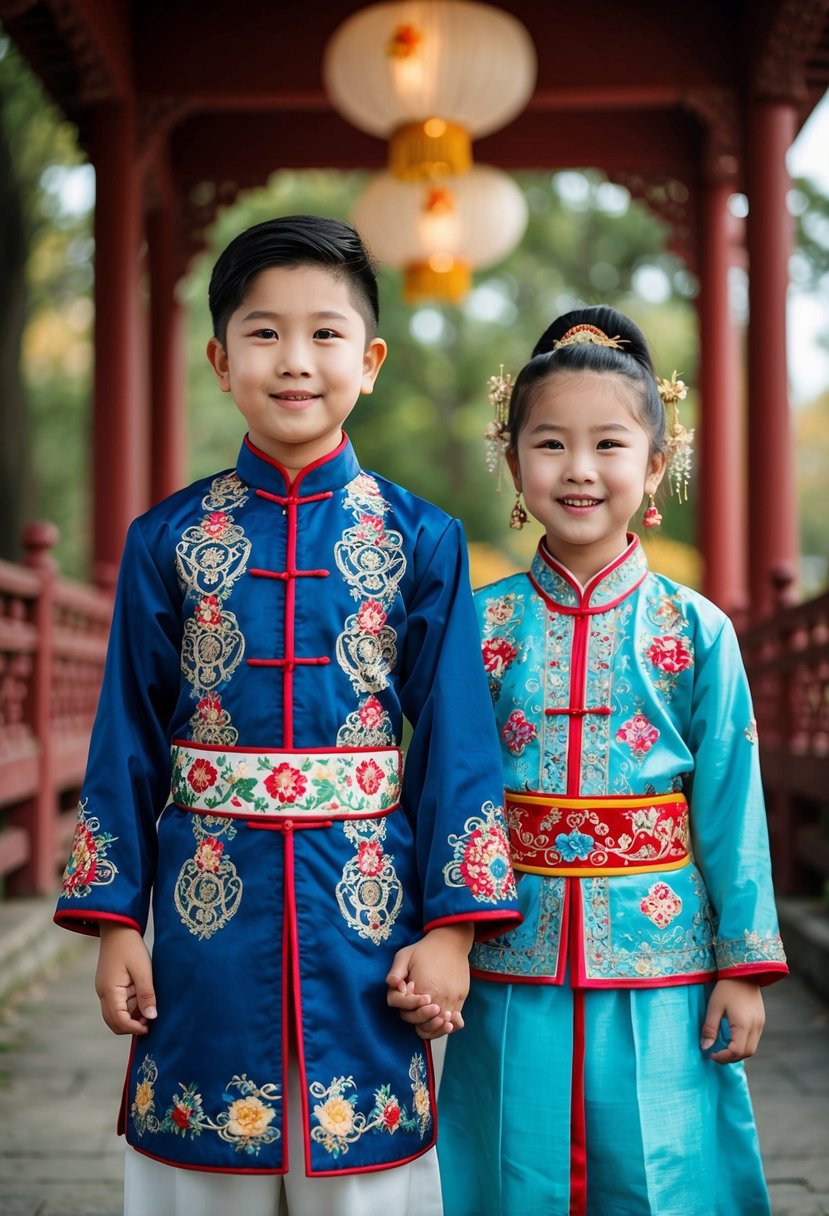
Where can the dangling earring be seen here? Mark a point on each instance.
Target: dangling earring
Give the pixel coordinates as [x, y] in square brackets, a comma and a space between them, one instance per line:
[518, 516]
[651, 518]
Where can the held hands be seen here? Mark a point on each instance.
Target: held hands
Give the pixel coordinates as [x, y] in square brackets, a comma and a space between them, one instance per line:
[124, 980]
[741, 1003]
[429, 980]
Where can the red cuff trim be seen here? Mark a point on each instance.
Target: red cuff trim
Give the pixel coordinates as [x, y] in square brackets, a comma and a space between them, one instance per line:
[87, 923]
[762, 973]
[496, 922]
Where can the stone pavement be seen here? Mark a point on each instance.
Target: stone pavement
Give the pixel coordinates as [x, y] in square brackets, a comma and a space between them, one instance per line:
[61, 1072]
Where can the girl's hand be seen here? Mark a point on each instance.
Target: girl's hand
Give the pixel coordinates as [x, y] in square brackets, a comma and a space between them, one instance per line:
[434, 970]
[741, 1004]
[124, 979]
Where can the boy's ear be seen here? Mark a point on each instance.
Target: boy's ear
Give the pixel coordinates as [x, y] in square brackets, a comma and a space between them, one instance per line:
[373, 359]
[217, 358]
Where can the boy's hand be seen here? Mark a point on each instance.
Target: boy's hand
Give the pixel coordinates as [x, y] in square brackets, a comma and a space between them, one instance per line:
[124, 980]
[429, 980]
[741, 1003]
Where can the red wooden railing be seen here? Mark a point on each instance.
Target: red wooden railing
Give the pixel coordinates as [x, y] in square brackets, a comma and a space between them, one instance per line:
[52, 645]
[787, 658]
[53, 637]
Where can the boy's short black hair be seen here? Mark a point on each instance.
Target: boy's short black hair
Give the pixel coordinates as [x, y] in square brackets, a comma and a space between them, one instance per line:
[290, 241]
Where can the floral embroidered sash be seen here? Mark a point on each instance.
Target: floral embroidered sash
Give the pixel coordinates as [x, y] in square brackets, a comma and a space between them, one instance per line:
[602, 836]
[336, 784]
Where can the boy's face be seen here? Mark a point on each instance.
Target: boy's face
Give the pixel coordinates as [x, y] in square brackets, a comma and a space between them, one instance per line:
[295, 360]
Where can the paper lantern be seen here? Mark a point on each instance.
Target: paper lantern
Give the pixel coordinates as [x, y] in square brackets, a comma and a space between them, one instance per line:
[438, 232]
[430, 76]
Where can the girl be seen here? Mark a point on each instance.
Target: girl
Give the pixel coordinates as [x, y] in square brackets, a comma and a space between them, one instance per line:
[599, 1071]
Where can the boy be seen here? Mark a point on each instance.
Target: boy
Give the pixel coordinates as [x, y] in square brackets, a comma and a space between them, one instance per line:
[273, 625]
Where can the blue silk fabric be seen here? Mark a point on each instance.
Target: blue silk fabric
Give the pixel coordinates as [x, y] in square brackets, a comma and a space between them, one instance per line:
[629, 687]
[253, 616]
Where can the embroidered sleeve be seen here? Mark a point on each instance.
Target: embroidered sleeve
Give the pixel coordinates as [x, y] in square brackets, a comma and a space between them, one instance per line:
[453, 784]
[111, 865]
[728, 818]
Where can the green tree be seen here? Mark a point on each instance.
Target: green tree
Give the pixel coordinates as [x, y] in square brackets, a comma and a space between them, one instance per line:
[45, 316]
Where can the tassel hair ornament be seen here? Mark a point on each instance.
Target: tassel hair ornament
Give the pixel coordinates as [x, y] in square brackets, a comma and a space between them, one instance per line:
[679, 449]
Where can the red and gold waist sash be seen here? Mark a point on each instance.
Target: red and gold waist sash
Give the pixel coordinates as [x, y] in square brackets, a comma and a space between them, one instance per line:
[604, 836]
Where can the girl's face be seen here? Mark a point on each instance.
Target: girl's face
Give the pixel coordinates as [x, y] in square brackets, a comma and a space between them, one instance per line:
[583, 463]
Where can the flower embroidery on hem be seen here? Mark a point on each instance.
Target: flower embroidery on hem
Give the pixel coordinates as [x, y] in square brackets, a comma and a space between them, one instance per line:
[246, 1122]
[340, 1124]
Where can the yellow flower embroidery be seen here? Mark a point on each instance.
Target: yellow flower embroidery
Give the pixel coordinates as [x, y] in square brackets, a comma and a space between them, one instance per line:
[248, 1117]
[336, 1116]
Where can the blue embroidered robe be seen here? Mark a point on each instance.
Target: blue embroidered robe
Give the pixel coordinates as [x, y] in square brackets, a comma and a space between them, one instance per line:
[631, 686]
[275, 636]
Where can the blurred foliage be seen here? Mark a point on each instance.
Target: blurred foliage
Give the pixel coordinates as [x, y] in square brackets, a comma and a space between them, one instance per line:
[56, 354]
[812, 462]
[810, 264]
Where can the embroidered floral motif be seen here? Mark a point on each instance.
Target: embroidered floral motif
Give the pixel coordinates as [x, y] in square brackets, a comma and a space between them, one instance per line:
[661, 905]
[499, 611]
[369, 893]
[518, 732]
[340, 1124]
[318, 782]
[574, 846]
[368, 726]
[481, 860]
[371, 560]
[681, 949]
[750, 731]
[208, 889]
[285, 783]
[752, 947]
[498, 653]
[88, 865]
[245, 1122]
[639, 734]
[210, 557]
[670, 654]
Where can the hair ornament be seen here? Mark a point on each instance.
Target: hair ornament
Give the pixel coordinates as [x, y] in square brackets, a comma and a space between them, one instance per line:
[679, 449]
[578, 335]
[495, 431]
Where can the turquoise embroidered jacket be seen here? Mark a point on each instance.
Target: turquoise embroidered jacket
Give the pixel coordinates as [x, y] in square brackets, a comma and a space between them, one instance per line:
[631, 686]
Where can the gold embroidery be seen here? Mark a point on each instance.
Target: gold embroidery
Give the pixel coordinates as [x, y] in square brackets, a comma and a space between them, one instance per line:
[208, 890]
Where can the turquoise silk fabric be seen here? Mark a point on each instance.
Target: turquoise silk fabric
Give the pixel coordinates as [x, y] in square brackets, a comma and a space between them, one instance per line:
[578, 1085]
[654, 675]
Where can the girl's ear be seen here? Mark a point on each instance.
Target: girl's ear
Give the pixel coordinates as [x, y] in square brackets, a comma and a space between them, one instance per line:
[513, 466]
[657, 465]
[217, 358]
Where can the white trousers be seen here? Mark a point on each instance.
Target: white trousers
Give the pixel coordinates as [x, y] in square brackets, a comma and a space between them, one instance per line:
[154, 1189]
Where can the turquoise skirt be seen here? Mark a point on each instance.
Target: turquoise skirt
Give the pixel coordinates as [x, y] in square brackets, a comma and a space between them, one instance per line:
[596, 1102]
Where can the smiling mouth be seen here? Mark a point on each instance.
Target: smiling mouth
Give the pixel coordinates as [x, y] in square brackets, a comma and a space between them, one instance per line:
[581, 502]
[294, 396]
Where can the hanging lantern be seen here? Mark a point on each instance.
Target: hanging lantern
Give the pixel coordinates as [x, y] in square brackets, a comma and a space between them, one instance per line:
[429, 76]
[438, 232]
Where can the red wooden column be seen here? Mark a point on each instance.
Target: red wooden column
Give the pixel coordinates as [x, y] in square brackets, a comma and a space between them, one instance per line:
[721, 442]
[119, 442]
[772, 524]
[167, 420]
